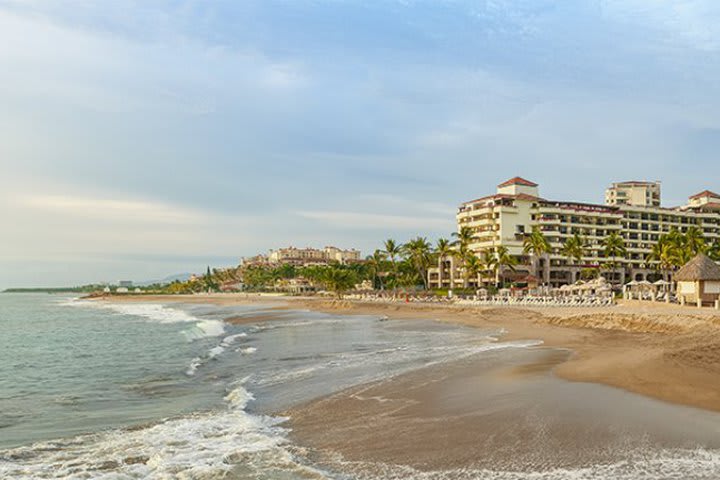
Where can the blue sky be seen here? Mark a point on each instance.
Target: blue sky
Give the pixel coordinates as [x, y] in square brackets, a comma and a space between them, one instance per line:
[144, 138]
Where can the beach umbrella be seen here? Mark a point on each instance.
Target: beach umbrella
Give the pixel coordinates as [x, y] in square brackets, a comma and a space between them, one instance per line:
[662, 283]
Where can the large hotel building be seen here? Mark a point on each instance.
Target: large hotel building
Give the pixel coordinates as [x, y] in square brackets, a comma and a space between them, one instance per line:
[633, 209]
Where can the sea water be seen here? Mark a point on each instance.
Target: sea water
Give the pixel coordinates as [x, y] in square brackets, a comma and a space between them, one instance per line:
[140, 390]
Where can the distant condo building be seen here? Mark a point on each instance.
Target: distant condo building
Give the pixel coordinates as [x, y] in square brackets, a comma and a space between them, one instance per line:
[632, 209]
[305, 256]
[639, 194]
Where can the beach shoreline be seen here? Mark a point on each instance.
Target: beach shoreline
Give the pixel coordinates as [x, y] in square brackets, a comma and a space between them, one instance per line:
[669, 353]
[605, 388]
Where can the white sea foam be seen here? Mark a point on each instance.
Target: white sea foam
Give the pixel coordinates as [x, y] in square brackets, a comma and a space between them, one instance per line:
[248, 350]
[72, 302]
[197, 446]
[230, 339]
[215, 352]
[162, 314]
[646, 464]
[194, 365]
[205, 328]
[397, 360]
[150, 311]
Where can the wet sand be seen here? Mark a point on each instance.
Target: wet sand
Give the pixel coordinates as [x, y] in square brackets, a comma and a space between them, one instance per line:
[497, 412]
[662, 351]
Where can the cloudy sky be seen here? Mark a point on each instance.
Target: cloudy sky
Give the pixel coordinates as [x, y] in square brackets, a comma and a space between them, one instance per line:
[141, 138]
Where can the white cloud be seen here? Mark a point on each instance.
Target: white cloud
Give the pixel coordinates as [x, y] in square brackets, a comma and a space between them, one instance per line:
[105, 72]
[112, 209]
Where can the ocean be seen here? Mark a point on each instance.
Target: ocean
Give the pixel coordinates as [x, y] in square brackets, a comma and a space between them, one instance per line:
[92, 390]
[140, 390]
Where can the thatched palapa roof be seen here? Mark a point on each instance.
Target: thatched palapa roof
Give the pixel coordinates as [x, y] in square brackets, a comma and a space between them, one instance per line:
[699, 268]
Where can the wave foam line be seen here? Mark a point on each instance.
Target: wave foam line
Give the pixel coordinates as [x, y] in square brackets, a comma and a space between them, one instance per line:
[208, 445]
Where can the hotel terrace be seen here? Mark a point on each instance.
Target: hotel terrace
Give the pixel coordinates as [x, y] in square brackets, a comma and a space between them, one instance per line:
[632, 209]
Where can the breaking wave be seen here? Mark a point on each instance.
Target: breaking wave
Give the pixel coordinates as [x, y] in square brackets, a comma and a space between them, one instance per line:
[208, 446]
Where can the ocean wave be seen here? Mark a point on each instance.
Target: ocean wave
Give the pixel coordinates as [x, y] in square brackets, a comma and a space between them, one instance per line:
[207, 445]
[151, 311]
[202, 328]
[230, 339]
[214, 353]
[404, 357]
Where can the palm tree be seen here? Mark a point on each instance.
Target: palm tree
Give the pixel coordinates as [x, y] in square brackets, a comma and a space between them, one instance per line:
[681, 254]
[393, 251]
[489, 262]
[339, 280]
[463, 237]
[419, 254]
[694, 241]
[573, 249]
[614, 246]
[376, 262]
[713, 251]
[443, 249]
[473, 266]
[663, 254]
[504, 259]
[536, 245]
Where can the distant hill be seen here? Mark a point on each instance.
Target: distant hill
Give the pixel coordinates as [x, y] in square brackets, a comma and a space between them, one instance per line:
[80, 289]
[180, 277]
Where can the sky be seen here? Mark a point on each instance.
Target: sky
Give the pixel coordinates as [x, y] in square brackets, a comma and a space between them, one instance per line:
[142, 138]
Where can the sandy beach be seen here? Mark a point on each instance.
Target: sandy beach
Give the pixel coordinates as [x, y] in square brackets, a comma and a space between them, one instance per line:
[563, 405]
[667, 352]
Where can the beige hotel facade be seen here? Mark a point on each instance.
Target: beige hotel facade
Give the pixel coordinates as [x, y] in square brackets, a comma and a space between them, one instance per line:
[632, 209]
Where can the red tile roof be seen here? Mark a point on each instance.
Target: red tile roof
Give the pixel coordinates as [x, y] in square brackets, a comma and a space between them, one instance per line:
[525, 196]
[518, 181]
[500, 196]
[705, 193]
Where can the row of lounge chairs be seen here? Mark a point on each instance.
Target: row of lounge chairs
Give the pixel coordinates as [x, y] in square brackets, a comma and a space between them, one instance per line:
[565, 301]
[548, 301]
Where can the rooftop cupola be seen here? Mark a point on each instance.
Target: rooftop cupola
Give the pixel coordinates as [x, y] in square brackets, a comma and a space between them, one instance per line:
[518, 186]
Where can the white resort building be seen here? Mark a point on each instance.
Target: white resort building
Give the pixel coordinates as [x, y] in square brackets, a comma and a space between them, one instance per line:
[632, 209]
[305, 256]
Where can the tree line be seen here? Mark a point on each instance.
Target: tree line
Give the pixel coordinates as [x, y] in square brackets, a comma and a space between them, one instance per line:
[406, 265]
